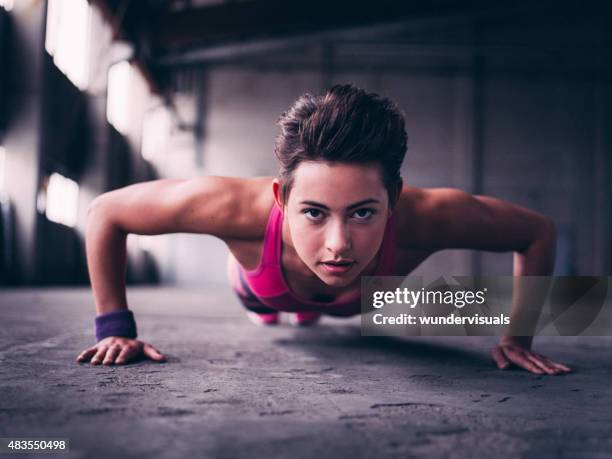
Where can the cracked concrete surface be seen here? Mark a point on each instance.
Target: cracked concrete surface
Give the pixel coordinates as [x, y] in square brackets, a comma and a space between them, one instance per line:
[231, 389]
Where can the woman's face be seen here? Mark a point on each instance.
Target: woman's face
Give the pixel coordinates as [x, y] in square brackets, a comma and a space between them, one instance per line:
[336, 214]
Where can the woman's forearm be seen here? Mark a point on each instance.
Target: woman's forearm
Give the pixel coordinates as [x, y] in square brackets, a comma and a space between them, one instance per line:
[106, 260]
[529, 293]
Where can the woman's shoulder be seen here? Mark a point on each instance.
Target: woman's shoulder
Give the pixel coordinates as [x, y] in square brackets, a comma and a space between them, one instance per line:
[422, 214]
[251, 202]
[415, 216]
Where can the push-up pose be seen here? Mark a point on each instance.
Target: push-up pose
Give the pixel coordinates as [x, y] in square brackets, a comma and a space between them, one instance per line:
[300, 242]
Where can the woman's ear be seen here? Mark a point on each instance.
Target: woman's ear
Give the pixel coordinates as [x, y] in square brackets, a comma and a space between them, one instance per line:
[276, 190]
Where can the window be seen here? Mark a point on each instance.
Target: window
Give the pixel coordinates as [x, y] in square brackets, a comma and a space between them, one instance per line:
[156, 128]
[67, 38]
[118, 96]
[60, 202]
[2, 167]
[7, 4]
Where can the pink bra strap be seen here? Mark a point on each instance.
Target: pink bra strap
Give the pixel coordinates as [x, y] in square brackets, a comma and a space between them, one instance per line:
[272, 238]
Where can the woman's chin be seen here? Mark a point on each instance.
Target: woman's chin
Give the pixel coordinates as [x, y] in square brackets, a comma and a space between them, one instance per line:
[337, 281]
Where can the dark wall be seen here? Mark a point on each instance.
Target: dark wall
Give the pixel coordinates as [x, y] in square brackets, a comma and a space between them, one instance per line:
[4, 50]
[516, 105]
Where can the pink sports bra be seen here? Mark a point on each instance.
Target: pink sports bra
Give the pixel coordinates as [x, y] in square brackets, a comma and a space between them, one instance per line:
[267, 281]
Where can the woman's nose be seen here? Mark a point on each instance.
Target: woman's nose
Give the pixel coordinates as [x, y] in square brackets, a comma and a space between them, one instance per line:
[338, 239]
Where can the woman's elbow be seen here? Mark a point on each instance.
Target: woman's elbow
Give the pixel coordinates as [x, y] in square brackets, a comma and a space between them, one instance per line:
[548, 229]
[99, 212]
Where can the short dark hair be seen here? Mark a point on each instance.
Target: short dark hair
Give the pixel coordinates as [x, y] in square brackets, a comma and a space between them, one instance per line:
[345, 125]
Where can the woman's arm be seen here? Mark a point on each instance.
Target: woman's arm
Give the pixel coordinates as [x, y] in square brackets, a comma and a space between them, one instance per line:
[536, 260]
[452, 218]
[210, 205]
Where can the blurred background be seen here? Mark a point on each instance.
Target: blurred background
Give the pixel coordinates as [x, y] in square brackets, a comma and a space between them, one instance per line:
[508, 99]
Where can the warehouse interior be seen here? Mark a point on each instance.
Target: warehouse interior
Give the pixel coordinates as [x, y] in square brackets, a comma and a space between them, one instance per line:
[512, 102]
[507, 99]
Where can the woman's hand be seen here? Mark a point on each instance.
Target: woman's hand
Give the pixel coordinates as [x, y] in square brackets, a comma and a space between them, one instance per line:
[513, 350]
[117, 350]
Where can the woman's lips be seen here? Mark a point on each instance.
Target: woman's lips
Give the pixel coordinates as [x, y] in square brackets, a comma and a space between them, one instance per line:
[337, 268]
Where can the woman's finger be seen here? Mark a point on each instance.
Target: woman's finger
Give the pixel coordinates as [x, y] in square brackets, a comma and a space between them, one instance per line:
[499, 358]
[541, 363]
[559, 366]
[563, 367]
[97, 359]
[126, 354]
[111, 354]
[519, 359]
[86, 354]
[153, 353]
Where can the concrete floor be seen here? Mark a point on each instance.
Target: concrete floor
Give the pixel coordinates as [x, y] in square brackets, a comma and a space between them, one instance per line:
[234, 390]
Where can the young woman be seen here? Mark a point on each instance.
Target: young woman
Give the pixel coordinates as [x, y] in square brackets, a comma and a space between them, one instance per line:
[300, 242]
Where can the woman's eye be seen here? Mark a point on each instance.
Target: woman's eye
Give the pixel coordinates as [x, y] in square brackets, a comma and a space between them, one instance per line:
[313, 214]
[363, 214]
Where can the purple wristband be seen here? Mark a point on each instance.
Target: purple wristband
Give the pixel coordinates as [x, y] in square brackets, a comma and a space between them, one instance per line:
[116, 323]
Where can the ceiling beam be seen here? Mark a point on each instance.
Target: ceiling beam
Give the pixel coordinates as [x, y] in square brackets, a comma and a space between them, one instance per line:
[266, 19]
